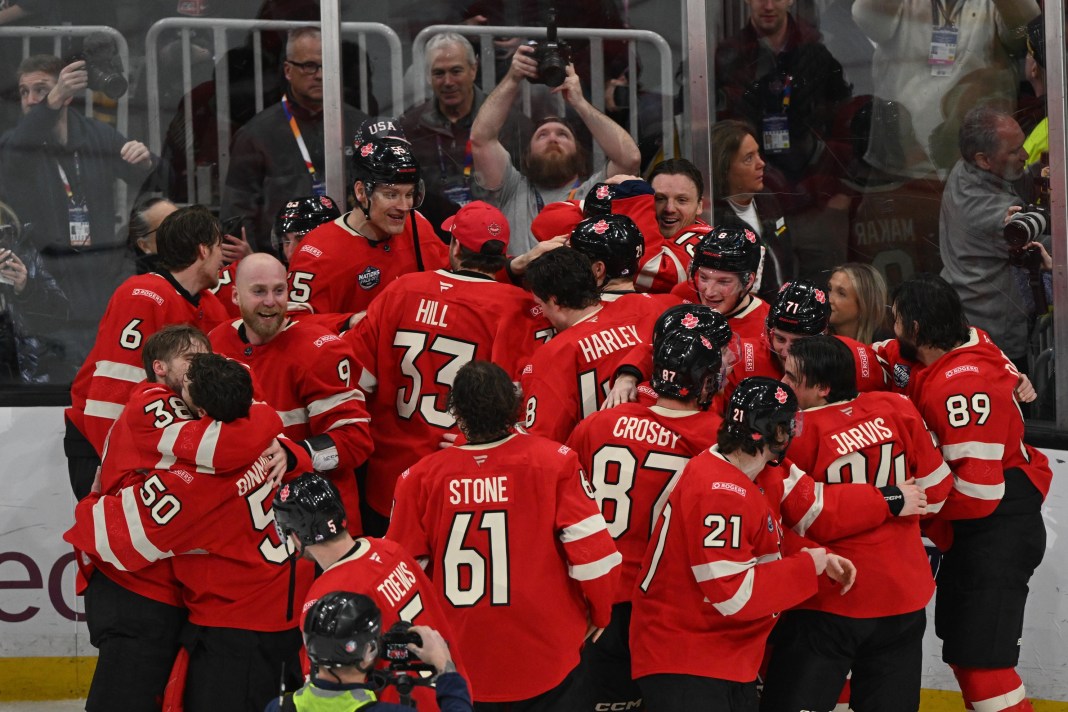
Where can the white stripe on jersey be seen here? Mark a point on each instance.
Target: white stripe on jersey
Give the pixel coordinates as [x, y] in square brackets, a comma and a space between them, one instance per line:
[813, 512]
[1000, 702]
[103, 409]
[368, 382]
[720, 569]
[940, 473]
[293, 417]
[935, 508]
[580, 530]
[206, 448]
[347, 421]
[987, 492]
[325, 405]
[741, 597]
[138, 537]
[595, 569]
[973, 449]
[119, 371]
[100, 536]
[166, 444]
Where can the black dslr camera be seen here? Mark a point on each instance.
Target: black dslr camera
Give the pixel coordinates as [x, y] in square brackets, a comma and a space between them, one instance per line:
[395, 645]
[552, 56]
[1024, 227]
[102, 62]
[406, 671]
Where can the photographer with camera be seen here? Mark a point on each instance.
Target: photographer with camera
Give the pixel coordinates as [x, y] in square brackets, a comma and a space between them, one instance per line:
[555, 165]
[980, 239]
[343, 636]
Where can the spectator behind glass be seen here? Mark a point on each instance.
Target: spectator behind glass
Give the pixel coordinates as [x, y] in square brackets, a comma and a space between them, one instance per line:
[554, 167]
[858, 295]
[739, 198]
[145, 219]
[30, 302]
[272, 152]
[978, 34]
[977, 200]
[439, 129]
[59, 169]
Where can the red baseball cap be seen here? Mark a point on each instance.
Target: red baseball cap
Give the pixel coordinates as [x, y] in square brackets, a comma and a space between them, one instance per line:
[477, 223]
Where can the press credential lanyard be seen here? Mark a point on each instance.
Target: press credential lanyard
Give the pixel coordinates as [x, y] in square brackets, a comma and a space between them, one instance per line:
[318, 188]
[77, 215]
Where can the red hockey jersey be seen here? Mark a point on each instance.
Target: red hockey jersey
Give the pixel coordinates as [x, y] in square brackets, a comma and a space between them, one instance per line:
[568, 378]
[966, 397]
[412, 342]
[519, 552]
[309, 376]
[141, 306]
[880, 439]
[634, 456]
[221, 506]
[338, 270]
[224, 290]
[721, 566]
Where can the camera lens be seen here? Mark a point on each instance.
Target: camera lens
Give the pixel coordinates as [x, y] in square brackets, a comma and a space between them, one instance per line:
[553, 70]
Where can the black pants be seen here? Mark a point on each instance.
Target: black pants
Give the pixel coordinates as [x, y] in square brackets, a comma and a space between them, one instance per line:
[690, 693]
[82, 460]
[138, 639]
[606, 664]
[813, 652]
[239, 670]
[569, 696]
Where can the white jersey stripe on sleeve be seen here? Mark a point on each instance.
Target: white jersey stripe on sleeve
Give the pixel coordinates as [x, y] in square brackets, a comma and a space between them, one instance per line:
[595, 569]
[368, 382]
[100, 536]
[986, 492]
[167, 438]
[975, 450]
[935, 508]
[206, 449]
[720, 569]
[293, 417]
[325, 405]
[103, 409]
[347, 421]
[813, 512]
[741, 597]
[119, 371]
[138, 537]
[940, 473]
[580, 530]
[792, 478]
[1001, 702]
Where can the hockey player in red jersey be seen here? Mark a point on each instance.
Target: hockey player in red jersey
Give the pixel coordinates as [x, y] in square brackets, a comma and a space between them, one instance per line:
[412, 342]
[237, 591]
[310, 516]
[297, 218]
[634, 455]
[304, 371]
[990, 528]
[567, 378]
[722, 272]
[515, 544]
[800, 310]
[190, 253]
[877, 632]
[342, 265]
[721, 566]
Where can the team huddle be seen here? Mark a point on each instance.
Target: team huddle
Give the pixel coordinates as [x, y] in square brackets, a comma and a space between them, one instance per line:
[631, 482]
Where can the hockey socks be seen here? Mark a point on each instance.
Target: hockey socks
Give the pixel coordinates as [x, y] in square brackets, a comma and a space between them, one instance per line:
[992, 690]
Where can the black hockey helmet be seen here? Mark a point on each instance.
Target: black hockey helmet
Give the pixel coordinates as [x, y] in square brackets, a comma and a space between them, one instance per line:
[612, 239]
[729, 248]
[801, 307]
[310, 507]
[760, 404]
[390, 161]
[598, 200]
[302, 215]
[694, 316]
[339, 627]
[687, 363]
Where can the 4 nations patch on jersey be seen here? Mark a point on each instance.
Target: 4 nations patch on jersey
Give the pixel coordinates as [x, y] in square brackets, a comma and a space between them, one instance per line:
[370, 277]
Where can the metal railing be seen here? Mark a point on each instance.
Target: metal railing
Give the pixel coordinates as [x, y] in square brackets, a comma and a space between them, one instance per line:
[220, 46]
[58, 33]
[486, 33]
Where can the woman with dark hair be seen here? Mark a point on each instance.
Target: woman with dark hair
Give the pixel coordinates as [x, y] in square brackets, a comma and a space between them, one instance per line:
[738, 197]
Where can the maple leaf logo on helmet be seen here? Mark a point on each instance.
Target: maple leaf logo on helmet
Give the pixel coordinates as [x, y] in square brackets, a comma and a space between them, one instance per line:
[689, 321]
[367, 149]
[284, 494]
[820, 296]
[751, 236]
[600, 227]
[706, 343]
[493, 229]
[603, 191]
[780, 395]
[326, 202]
